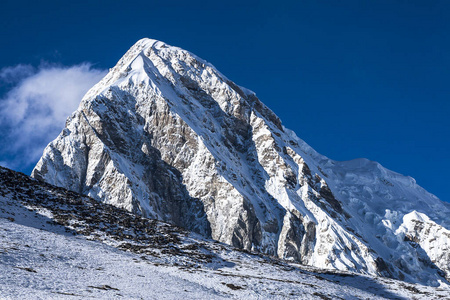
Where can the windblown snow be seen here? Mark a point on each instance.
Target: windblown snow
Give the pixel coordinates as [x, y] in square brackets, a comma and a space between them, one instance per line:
[165, 135]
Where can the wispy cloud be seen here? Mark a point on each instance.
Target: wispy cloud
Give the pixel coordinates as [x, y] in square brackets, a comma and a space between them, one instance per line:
[34, 110]
[12, 75]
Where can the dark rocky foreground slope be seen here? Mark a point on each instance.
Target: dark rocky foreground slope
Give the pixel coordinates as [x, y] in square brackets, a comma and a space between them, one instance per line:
[57, 243]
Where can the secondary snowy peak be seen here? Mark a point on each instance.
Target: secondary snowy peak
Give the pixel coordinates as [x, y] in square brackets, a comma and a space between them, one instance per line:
[166, 135]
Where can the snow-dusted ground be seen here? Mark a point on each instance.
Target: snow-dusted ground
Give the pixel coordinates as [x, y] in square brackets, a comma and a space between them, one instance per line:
[56, 244]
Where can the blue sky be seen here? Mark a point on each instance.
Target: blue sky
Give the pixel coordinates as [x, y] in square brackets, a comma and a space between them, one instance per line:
[352, 78]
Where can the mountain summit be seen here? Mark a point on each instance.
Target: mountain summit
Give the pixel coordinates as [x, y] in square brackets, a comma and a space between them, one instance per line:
[167, 136]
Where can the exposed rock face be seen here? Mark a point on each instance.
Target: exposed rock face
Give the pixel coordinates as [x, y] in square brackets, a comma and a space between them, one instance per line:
[166, 135]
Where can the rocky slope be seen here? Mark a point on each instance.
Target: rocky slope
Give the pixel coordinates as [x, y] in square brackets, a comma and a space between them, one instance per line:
[57, 244]
[167, 136]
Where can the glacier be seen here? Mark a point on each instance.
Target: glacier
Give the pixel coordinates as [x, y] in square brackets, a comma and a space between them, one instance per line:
[165, 135]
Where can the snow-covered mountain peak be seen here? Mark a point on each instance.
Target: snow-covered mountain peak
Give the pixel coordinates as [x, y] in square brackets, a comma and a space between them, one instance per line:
[167, 136]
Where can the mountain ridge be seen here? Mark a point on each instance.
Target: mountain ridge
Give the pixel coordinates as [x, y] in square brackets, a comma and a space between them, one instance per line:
[166, 135]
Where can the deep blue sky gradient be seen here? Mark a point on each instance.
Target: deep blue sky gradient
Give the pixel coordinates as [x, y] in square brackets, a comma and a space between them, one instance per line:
[352, 78]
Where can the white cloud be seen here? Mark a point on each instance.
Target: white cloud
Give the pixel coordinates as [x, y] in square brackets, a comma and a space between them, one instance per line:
[34, 110]
[15, 74]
